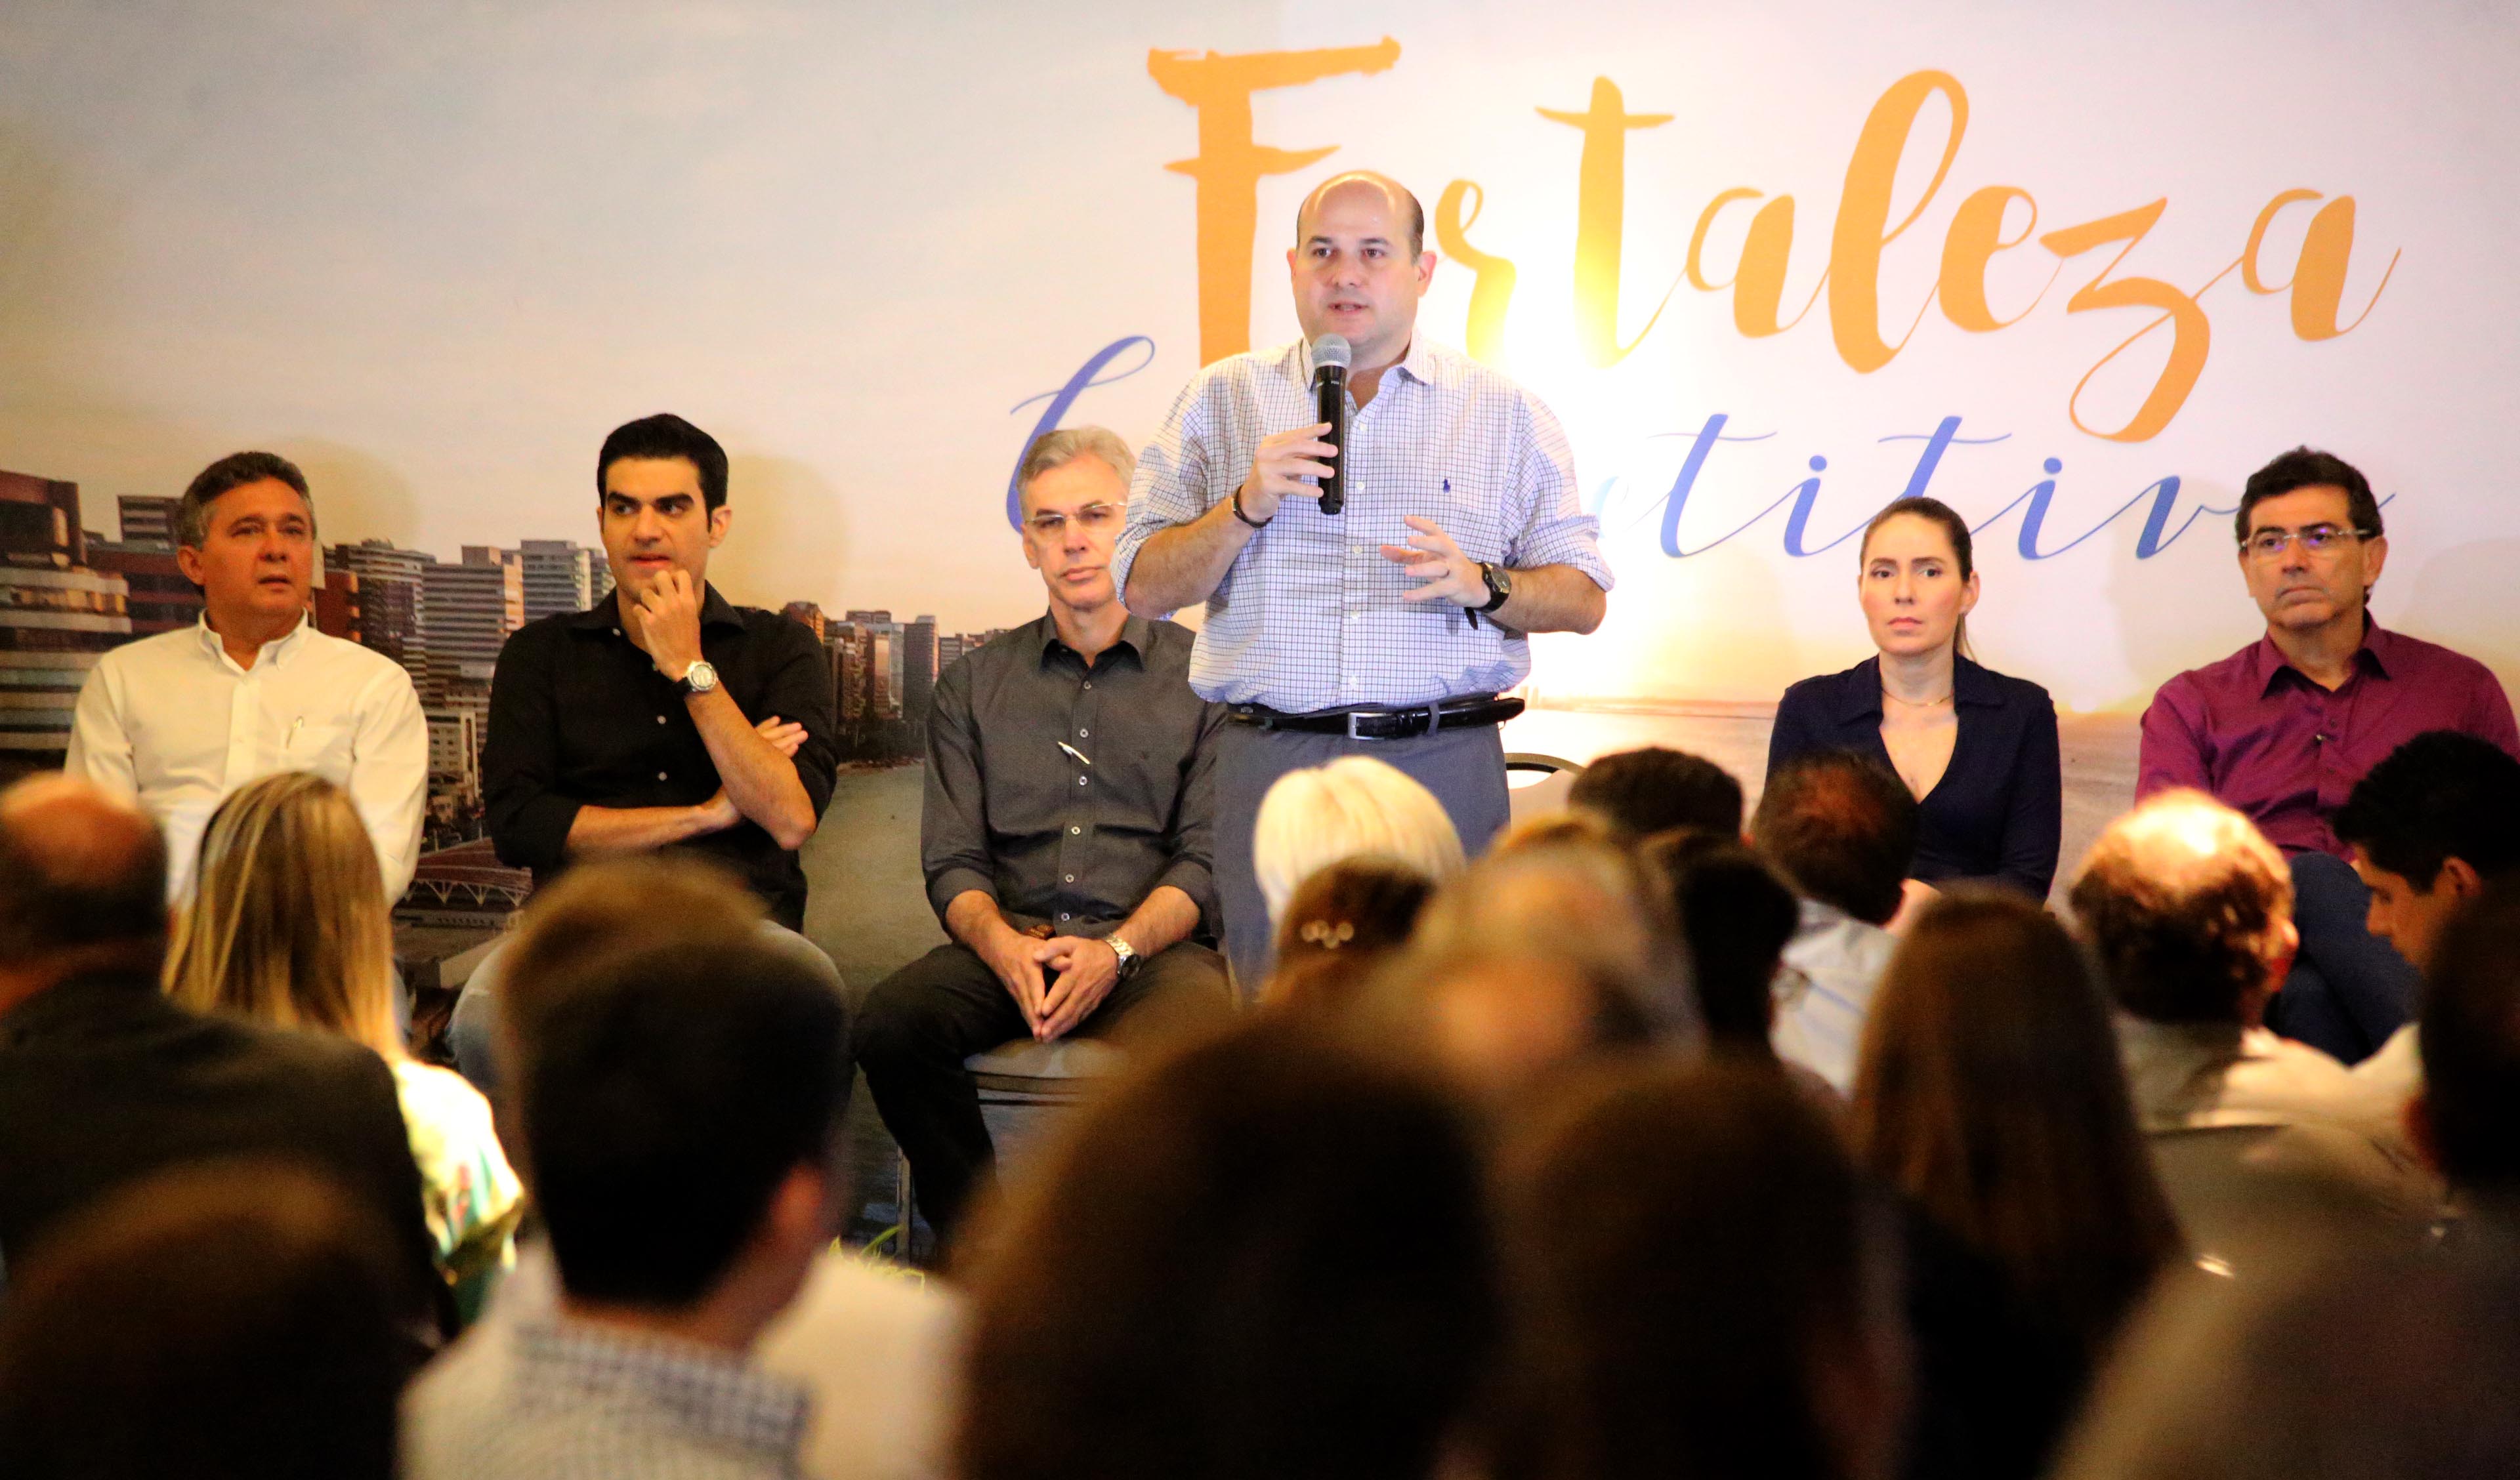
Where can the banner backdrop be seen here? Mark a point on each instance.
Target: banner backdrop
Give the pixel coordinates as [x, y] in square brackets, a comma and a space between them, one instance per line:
[2074, 269]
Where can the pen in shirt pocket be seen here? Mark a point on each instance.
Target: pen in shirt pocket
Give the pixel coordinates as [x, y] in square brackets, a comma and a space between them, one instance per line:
[294, 725]
[1082, 758]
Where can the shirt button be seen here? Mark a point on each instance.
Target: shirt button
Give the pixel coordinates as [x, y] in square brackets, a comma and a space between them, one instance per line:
[660, 776]
[1071, 878]
[1081, 733]
[660, 719]
[1080, 781]
[1068, 916]
[1089, 683]
[1356, 550]
[1075, 829]
[617, 632]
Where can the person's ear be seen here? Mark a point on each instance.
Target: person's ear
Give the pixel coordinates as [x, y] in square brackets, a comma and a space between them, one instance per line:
[2283, 946]
[802, 1214]
[187, 560]
[2459, 877]
[720, 521]
[1968, 593]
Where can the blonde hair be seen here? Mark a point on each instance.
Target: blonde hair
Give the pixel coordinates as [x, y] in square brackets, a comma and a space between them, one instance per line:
[1356, 805]
[289, 924]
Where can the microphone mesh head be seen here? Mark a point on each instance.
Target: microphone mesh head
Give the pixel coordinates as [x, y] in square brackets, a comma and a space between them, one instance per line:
[1331, 349]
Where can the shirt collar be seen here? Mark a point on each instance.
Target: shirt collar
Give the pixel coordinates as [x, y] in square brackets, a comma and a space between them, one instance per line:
[699, 1390]
[1136, 634]
[606, 615]
[1858, 697]
[2380, 645]
[1423, 362]
[275, 652]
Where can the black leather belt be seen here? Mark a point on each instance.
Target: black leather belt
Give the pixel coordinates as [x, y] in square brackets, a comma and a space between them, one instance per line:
[1471, 713]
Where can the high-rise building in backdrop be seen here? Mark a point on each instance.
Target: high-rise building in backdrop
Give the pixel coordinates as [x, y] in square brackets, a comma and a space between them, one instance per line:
[917, 668]
[393, 600]
[471, 606]
[147, 520]
[57, 616]
[562, 575]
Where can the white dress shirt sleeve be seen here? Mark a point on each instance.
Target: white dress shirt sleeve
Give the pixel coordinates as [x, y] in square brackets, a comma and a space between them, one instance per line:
[1171, 486]
[389, 776]
[100, 744]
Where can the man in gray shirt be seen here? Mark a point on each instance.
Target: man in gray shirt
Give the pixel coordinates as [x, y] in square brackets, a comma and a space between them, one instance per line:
[1064, 834]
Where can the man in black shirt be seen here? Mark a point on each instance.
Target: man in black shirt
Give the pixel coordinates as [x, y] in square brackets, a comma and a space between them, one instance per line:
[1064, 834]
[665, 716]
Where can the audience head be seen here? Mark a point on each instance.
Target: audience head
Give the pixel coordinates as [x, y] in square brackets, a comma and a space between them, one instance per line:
[661, 495]
[244, 533]
[221, 1320]
[1344, 921]
[681, 1117]
[1917, 578]
[629, 906]
[1642, 793]
[1989, 1090]
[2301, 500]
[82, 884]
[2368, 1366]
[2190, 911]
[2470, 1041]
[1703, 1288]
[1312, 818]
[1547, 951]
[288, 922]
[1735, 917]
[1842, 830]
[1266, 1256]
[2429, 826]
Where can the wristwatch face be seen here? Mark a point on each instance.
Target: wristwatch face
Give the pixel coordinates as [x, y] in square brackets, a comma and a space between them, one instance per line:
[1499, 586]
[699, 678]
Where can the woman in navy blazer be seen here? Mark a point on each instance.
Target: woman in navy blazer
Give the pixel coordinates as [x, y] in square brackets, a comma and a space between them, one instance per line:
[1976, 747]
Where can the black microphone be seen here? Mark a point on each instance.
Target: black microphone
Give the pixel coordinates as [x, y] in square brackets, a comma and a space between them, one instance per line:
[1329, 400]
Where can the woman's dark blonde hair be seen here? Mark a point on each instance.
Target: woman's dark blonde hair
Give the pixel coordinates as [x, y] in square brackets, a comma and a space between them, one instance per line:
[288, 922]
[1989, 1090]
[1955, 529]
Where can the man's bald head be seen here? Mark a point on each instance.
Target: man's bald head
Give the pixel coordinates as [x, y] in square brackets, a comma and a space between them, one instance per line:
[81, 871]
[1403, 205]
[2189, 909]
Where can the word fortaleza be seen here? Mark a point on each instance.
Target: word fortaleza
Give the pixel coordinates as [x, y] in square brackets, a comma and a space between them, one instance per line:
[1230, 163]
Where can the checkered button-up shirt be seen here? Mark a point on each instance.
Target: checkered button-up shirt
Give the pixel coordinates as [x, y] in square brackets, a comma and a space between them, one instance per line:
[565, 1399]
[1311, 615]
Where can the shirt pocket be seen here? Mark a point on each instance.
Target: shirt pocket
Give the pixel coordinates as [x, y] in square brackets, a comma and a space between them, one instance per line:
[1472, 504]
[323, 747]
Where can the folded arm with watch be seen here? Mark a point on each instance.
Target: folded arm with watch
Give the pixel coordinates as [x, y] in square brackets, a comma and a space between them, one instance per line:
[756, 774]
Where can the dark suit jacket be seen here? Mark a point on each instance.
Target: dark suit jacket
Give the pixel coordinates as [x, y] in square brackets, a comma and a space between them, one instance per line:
[102, 1080]
[1997, 812]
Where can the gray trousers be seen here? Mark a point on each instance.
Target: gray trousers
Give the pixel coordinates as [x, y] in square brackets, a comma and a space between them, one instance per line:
[1464, 768]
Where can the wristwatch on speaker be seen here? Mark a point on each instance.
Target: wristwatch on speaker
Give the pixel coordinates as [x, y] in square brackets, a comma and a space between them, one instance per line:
[699, 678]
[1499, 585]
[1127, 953]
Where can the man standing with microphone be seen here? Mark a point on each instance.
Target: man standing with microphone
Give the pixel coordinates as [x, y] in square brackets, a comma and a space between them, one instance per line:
[1387, 626]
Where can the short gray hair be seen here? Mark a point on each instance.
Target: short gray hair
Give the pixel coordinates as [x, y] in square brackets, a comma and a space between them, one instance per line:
[1057, 449]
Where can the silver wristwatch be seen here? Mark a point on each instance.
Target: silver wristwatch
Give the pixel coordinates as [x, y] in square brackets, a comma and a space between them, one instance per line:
[699, 678]
[1127, 953]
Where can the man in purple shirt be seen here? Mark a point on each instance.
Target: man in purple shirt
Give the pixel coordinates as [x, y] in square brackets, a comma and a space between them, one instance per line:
[2283, 729]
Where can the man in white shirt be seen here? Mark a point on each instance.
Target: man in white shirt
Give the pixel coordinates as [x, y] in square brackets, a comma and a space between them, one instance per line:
[1842, 830]
[184, 718]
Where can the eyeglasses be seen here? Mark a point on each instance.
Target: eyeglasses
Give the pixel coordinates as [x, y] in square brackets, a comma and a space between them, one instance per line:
[2317, 538]
[1050, 522]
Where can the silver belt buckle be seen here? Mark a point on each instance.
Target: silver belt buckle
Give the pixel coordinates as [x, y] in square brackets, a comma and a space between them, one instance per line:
[1352, 732]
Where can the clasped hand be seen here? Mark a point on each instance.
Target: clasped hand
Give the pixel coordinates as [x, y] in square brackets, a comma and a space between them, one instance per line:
[1432, 555]
[1086, 970]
